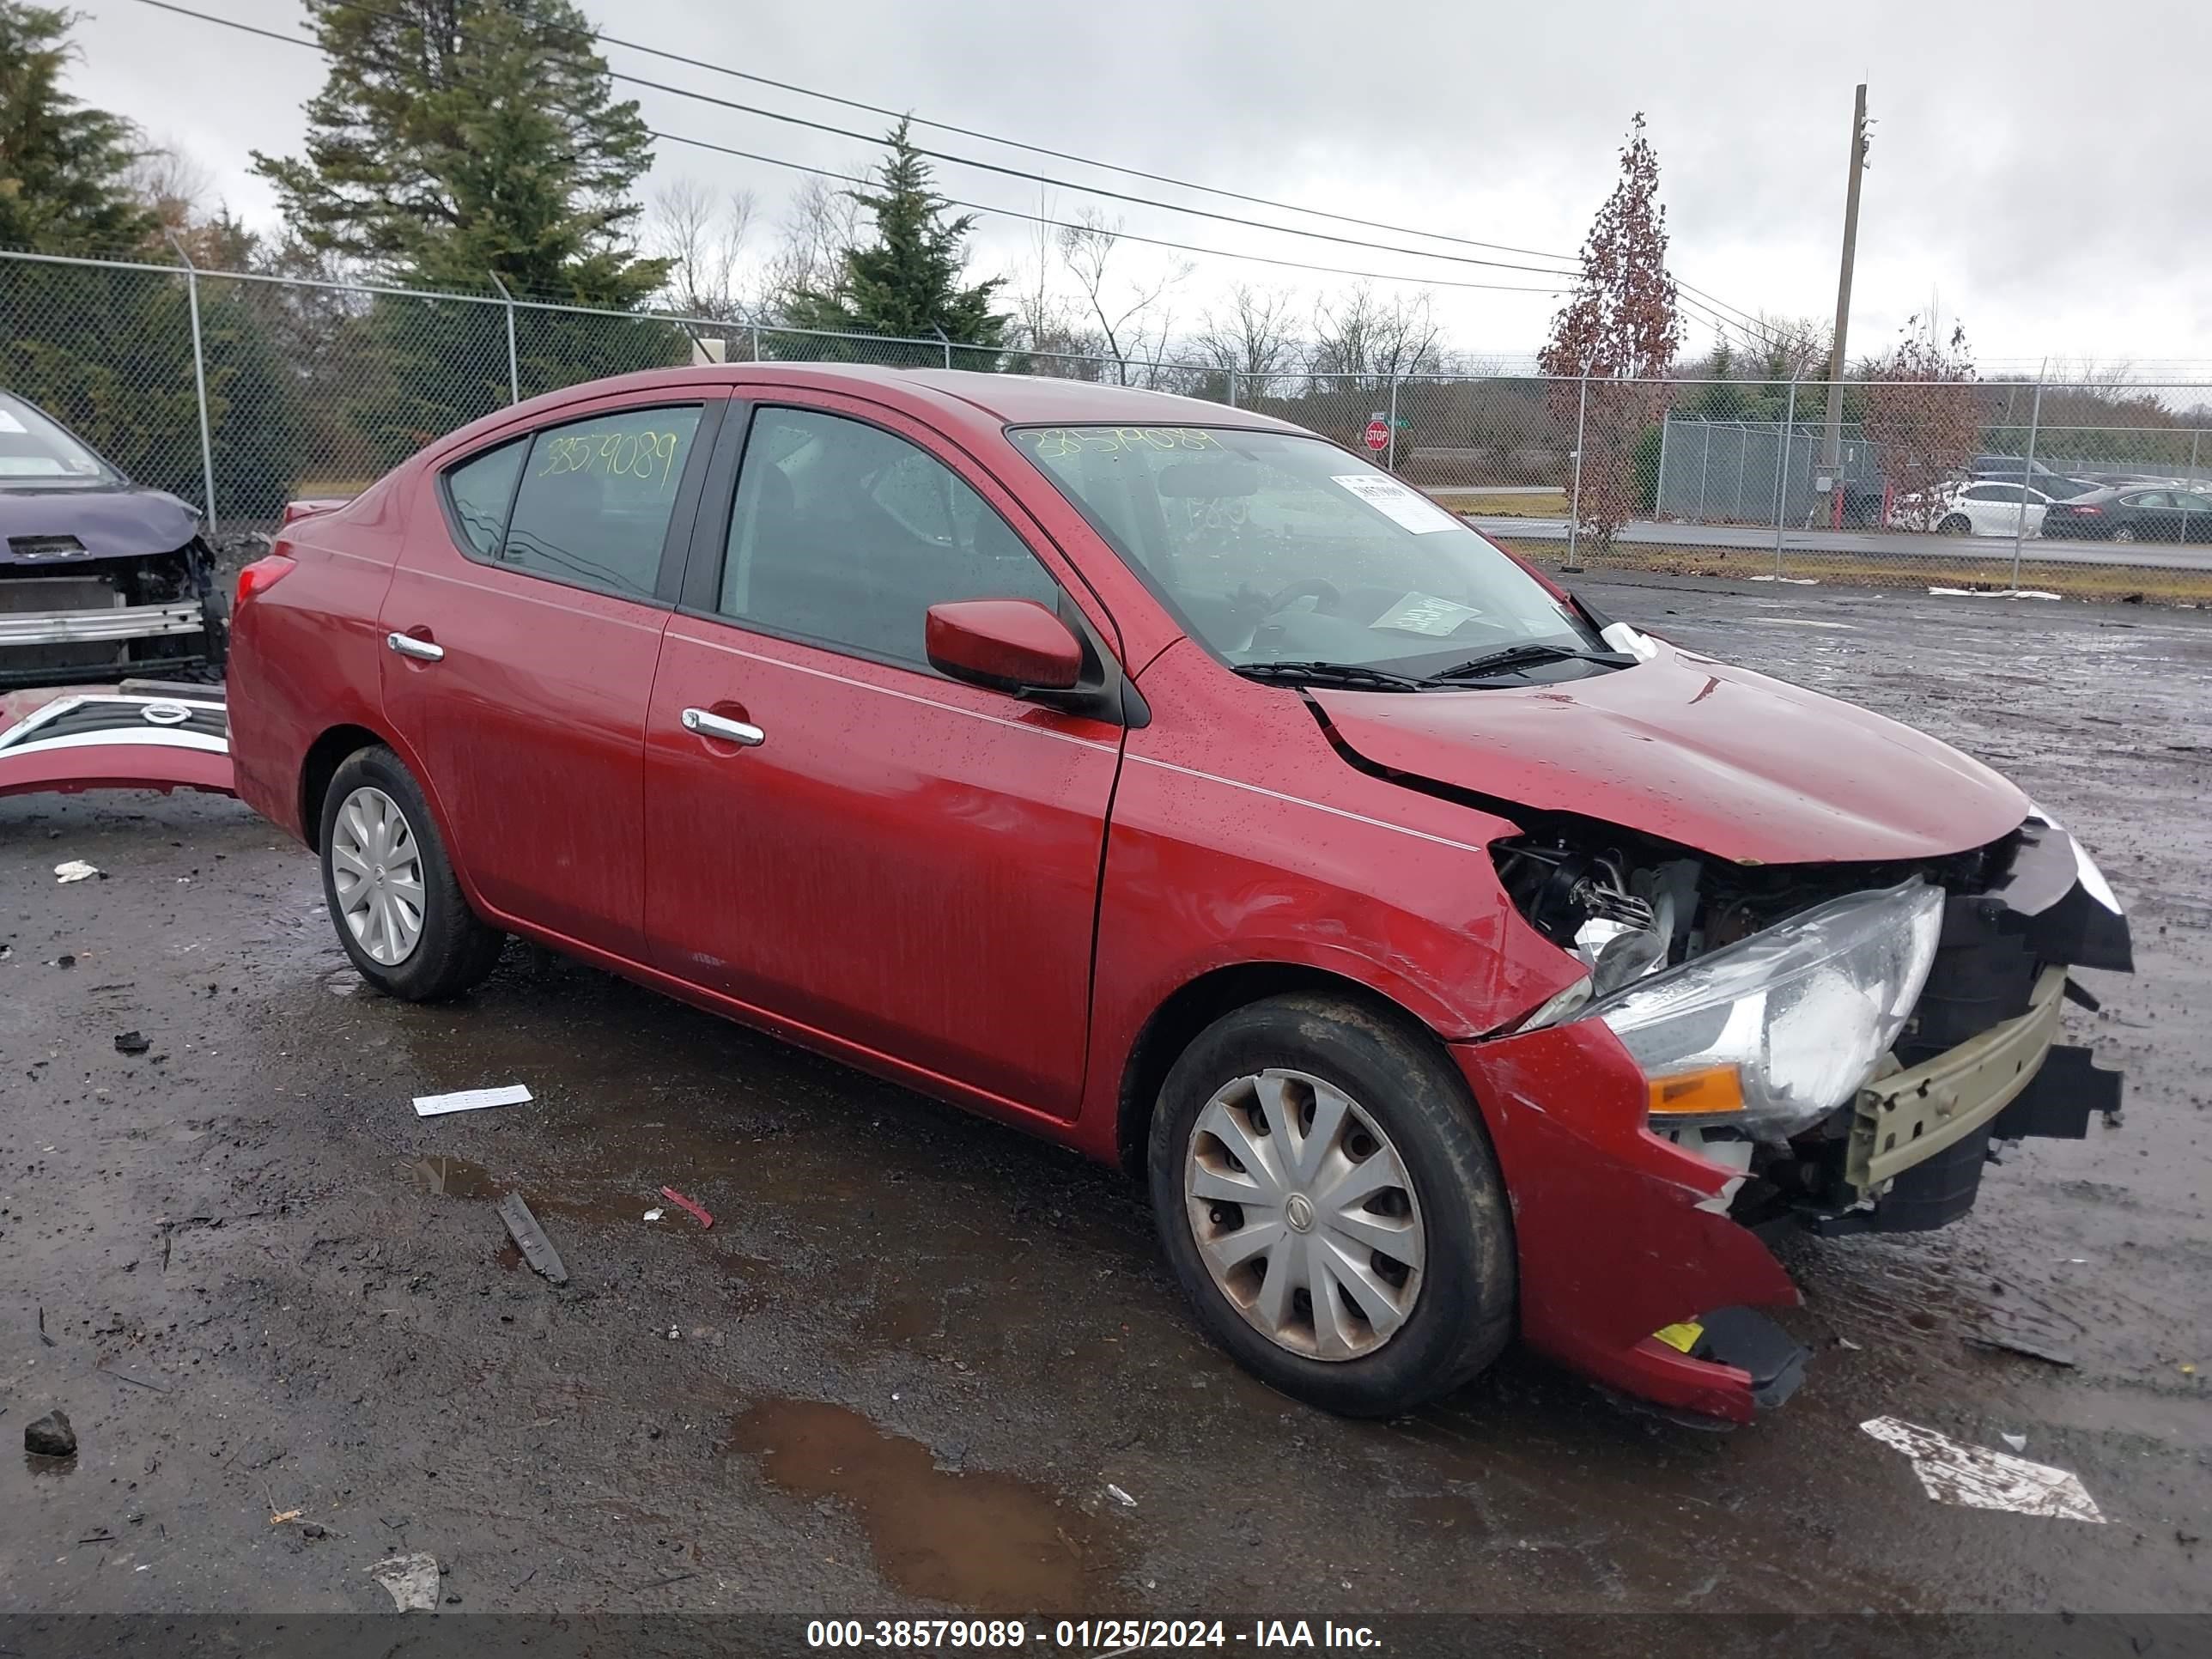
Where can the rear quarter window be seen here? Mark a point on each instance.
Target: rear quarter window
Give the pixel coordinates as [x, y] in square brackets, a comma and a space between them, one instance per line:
[477, 494]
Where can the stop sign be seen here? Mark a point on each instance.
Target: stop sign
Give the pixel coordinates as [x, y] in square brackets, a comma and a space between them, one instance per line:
[1378, 433]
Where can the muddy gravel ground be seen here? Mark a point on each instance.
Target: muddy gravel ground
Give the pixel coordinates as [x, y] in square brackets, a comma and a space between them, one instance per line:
[922, 1363]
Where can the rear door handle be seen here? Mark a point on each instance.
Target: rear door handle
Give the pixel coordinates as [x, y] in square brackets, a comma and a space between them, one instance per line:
[421, 650]
[713, 726]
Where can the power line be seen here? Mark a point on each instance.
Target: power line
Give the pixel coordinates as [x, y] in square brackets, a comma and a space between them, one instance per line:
[945, 155]
[1017, 173]
[1122, 235]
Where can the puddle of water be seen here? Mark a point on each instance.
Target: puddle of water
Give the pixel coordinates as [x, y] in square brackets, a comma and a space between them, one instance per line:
[980, 1540]
[453, 1177]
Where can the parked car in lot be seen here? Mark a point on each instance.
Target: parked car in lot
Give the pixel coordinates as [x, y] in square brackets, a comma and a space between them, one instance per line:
[1971, 509]
[1453, 960]
[2135, 515]
[98, 577]
[2018, 469]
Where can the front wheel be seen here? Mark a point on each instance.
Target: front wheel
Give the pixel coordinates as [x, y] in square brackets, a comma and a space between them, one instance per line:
[1957, 525]
[1327, 1200]
[2126, 532]
[400, 913]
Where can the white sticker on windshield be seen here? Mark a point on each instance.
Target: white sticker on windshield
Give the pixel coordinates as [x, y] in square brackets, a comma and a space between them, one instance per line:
[1415, 511]
[1424, 613]
[8, 423]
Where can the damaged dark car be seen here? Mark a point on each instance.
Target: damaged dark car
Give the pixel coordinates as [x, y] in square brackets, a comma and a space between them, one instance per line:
[99, 578]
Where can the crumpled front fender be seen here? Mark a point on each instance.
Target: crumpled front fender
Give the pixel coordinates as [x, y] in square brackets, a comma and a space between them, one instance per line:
[1612, 1244]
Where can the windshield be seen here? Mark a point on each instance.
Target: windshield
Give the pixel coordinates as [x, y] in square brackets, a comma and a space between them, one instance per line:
[1276, 547]
[34, 452]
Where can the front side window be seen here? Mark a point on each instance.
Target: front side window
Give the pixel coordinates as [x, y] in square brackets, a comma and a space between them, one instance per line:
[1273, 547]
[37, 454]
[845, 534]
[593, 505]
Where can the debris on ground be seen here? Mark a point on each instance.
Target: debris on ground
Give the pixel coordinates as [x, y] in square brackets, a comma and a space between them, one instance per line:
[656, 1214]
[284, 1516]
[135, 1381]
[675, 1197]
[1979, 1478]
[51, 1436]
[71, 870]
[43, 1337]
[132, 1042]
[1120, 1497]
[537, 1249]
[410, 1580]
[1991, 594]
[2005, 1342]
[2017, 1441]
[471, 1100]
[65, 960]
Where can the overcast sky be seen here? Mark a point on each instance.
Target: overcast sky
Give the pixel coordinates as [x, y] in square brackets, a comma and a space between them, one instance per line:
[2040, 171]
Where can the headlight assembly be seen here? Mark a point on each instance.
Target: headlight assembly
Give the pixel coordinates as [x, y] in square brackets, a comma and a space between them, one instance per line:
[1774, 1032]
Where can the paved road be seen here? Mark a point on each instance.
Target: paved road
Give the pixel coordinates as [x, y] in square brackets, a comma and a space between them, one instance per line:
[916, 1352]
[1898, 544]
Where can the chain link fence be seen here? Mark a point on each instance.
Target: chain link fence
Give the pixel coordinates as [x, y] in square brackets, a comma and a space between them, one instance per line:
[238, 392]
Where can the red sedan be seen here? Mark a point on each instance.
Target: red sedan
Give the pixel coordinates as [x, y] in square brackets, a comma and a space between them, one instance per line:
[1454, 963]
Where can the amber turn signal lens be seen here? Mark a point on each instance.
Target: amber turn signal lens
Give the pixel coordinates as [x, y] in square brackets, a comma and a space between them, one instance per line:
[1695, 1094]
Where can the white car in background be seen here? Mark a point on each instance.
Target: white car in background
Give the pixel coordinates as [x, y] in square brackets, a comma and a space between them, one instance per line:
[1972, 509]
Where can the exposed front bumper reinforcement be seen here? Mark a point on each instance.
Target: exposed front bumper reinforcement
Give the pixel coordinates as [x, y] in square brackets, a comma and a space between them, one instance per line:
[122, 622]
[1910, 1116]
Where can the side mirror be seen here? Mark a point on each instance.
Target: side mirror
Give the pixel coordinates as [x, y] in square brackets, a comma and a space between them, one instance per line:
[1009, 644]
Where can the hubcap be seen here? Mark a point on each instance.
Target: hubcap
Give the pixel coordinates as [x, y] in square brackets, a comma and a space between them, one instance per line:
[1304, 1214]
[376, 870]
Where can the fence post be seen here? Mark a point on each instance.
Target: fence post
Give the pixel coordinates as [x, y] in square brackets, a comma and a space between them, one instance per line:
[1659, 483]
[2026, 471]
[1782, 473]
[199, 377]
[513, 364]
[1232, 388]
[1575, 500]
[2195, 434]
[756, 332]
[1390, 454]
[1705, 464]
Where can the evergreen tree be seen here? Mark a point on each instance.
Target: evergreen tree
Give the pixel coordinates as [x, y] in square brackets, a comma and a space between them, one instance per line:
[455, 138]
[907, 282]
[63, 167]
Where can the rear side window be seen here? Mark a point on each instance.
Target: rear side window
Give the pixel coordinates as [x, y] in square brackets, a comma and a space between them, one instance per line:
[594, 503]
[479, 490]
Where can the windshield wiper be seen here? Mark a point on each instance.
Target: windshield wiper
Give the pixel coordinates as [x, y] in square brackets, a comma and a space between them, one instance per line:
[1328, 673]
[1529, 654]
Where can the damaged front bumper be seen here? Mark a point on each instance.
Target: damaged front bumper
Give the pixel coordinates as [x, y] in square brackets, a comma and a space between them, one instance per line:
[122, 622]
[1641, 1261]
[170, 737]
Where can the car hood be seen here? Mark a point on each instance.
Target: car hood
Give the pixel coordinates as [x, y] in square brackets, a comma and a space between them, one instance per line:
[1694, 751]
[112, 524]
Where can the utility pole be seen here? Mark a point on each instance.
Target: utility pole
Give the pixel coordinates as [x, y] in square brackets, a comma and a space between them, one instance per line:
[1831, 451]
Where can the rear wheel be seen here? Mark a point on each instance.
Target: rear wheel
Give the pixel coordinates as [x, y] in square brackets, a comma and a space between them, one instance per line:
[1956, 524]
[1327, 1200]
[399, 912]
[2125, 532]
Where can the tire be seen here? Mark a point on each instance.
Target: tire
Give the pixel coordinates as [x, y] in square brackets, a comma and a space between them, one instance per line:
[2125, 532]
[1453, 1306]
[1957, 524]
[452, 950]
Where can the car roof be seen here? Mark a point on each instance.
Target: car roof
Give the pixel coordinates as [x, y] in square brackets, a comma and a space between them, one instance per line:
[959, 398]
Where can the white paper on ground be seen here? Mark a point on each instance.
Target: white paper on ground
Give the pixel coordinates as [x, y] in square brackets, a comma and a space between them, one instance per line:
[1980, 1479]
[74, 869]
[1417, 513]
[470, 1100]
[1424, 613]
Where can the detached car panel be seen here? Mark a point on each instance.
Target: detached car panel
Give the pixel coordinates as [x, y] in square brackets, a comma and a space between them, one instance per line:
[118, 741]
[1455, 963]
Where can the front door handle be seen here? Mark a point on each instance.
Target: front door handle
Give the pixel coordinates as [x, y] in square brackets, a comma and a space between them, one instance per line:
[713, 726]
[421, 650]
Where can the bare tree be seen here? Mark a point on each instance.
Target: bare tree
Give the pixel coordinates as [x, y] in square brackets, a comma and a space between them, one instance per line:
[1250, 336]
[1923, 416]
[704, 238]
[1049, 328]
[1375, 341]
[171, 184]
[1132, 325]
[819, 223]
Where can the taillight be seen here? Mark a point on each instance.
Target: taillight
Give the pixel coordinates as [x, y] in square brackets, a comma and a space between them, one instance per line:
[260, 576]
